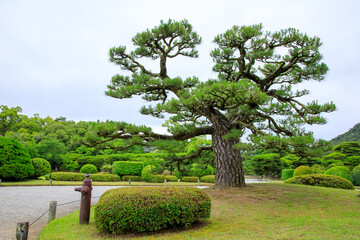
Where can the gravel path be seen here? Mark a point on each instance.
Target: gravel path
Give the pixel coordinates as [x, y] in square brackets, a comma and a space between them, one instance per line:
[26, 204]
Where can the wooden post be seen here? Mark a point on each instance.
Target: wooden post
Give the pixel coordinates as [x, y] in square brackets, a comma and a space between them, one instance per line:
[52, 210]
[0, 182]
[129, 182]
[50, 182]
[199, 182]
[165, 182]
[22, 231]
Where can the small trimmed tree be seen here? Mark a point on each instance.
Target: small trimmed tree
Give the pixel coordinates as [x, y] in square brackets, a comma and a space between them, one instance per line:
[41, 167]
[15, 161]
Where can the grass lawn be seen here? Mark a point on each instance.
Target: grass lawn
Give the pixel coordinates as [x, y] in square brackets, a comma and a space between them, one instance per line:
[38, 182]
[260, 211]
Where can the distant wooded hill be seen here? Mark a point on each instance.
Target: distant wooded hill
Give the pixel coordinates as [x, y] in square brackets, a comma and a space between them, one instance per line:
[352, 135]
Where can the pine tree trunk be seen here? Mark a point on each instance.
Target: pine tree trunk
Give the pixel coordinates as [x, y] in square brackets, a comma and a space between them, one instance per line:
[229, 169]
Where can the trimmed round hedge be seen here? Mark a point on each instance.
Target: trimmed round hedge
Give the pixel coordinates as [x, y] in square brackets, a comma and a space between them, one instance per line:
[143, 209]
[88, 168]
[303, 170]
[321, 180]
[41, 167]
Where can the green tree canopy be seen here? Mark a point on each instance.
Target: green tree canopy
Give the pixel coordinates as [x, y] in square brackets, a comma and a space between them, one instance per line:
[254, 89]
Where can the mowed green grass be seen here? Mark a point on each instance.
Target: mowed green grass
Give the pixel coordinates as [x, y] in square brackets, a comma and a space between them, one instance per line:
[260, 211]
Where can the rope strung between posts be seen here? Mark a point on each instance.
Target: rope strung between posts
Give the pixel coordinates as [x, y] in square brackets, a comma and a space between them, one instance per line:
[56, 206]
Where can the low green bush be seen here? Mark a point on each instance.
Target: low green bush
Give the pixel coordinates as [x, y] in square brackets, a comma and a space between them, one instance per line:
[41, 167]
[318, 169]
[345, 175]
[101, 177]
[208, 178]
[287, 173]
[321, 180]
[157, 178]
[334, 170]
[356, 177]
[146, 173]
[88, 168]
[107, 168]
[122, 168]
[70, 176]
[340, 171]
[171, 178]
[98, 160]
[357, 168]
[143, 209]
[303, 170]
[132, 178]
[189, 179]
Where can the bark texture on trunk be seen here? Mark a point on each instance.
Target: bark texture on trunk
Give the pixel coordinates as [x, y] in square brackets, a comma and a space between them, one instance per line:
[229, 169]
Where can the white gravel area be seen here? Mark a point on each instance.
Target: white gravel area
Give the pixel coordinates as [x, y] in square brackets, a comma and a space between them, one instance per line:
[26, 204]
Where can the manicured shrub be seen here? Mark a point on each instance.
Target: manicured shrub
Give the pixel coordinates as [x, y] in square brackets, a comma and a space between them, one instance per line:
[107, 177]
[357, 168]
[157, 178]
[143, 209]
[98, 160]
[287, 173]
[321, 180]
[199, 170]
[334, 170]
[107, 168]
[171, 178]
[132, 178]
[15, 161]
[122, 168]
[189, 179]
[146, 173]
[208, 178]
[356, 178]
[88, 168]
[318, 169]
[345, 175]
[303, 170]
[70, 176]
[340, 171]
[41, 167]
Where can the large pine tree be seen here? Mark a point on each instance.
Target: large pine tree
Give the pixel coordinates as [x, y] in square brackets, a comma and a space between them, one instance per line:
[256, 73]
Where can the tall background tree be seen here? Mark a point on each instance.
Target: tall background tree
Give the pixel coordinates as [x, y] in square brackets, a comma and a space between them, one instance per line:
[254, 89]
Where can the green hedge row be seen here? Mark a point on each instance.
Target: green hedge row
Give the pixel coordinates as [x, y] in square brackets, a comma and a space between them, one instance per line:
[70, 176]
[122, 168]
[189, 179]
[100, 160]
[132, 178]
[208, 178]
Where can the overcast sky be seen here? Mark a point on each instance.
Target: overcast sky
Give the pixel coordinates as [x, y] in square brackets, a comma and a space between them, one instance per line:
[54, 54]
